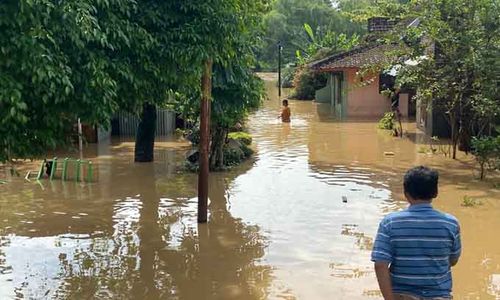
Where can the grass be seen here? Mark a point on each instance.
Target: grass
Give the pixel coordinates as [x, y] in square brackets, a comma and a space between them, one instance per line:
[470, 202]
[241, 136]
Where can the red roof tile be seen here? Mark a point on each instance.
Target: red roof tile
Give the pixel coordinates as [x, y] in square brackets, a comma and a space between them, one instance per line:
[356, 58]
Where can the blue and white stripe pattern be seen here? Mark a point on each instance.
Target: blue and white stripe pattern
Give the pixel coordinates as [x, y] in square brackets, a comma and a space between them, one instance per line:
[419, 243]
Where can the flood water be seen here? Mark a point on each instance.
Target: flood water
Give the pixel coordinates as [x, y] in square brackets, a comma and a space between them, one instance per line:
[278, 228]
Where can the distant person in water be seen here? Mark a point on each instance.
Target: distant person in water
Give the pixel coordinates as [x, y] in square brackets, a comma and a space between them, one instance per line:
[285, 112]
[415, 249]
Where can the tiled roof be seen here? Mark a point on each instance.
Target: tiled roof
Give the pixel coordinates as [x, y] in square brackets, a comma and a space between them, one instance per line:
[356, 58]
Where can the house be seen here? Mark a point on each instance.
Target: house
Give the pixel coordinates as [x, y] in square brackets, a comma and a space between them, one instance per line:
[354, 94]
[432, 121]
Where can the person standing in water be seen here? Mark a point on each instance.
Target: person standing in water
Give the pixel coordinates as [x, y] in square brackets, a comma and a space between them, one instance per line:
[415, 249]
[285, 112]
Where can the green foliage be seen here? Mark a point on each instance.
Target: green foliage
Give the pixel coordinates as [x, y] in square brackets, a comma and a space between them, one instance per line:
[194, 136]
[470, 202]
[453, 51]
[285, 23]
[487, 153]
[306, 83]
[241, 136]
[235, 94]
[88, 59]
[387, 121]
[322, 44]
[234, 156]
[287, 77]
[56, 68]
[247, 151]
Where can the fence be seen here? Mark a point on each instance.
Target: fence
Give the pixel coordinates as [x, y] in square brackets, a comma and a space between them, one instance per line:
[165, 123]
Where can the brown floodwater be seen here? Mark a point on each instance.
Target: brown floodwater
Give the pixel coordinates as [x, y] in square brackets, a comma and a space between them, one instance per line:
[279, 228]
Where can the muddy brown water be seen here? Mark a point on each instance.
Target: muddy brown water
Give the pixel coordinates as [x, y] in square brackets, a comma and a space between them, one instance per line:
[278, 228]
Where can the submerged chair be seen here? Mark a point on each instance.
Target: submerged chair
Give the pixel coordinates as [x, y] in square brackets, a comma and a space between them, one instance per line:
[50, 168]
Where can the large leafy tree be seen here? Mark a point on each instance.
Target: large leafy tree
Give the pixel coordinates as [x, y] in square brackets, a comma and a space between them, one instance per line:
[229, 32]
[285, 23]
[63, 60]
[455, 43]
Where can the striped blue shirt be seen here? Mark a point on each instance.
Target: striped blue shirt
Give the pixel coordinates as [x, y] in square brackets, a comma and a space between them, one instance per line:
[418, 243]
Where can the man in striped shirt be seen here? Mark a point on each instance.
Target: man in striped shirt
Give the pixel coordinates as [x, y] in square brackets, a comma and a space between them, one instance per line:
[415, 248]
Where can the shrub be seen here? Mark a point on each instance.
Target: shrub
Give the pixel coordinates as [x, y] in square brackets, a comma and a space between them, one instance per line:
[240, 136]
[287, 77]
[247, 151]
[387, 121]
[307, 82]
[487, 153]
[233, 156]
[194, 136]
[470, 202]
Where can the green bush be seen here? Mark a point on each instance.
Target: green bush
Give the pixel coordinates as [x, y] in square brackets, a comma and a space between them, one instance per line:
[237, 149]
[194, 136]
[247, 151]
[470, 202]
[307, 82]
[487, 153]
[387, 121]
[287, 77]
[233, 157]
[240, 136]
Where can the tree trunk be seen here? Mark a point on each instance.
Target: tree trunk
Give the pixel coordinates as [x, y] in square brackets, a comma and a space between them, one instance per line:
[206, 89]
[466, 129]
[465, 139]
[219, 136]
[145, 138]
[454, 134]
[482, 170]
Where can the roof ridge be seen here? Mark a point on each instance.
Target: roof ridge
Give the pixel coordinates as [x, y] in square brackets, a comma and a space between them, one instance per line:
[355, 50]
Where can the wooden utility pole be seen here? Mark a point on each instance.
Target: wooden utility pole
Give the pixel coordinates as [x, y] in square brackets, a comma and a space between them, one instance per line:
[280, 48]
[206, 90]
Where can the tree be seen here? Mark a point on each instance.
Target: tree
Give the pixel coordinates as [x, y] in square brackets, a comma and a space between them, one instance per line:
[285, 23]
[235, 89]
[88, 59]
[68, 60]
[236, 92]
[197, 35]
[319, 45]
[454, 44]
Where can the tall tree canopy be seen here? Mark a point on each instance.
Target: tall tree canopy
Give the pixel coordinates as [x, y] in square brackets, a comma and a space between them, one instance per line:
[285, 23]
[456, 45]
[63, 60]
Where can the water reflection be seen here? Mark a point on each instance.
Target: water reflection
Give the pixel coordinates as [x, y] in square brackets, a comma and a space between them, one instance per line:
[297, 222]
[140, 240]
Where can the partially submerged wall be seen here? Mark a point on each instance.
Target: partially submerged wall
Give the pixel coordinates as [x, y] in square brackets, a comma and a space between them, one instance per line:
[363, 99]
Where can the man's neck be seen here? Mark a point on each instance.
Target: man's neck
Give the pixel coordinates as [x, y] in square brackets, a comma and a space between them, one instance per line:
[416, 202]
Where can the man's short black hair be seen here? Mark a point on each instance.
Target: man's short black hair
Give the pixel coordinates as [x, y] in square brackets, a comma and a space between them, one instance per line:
[285, 102]
[421, 183]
